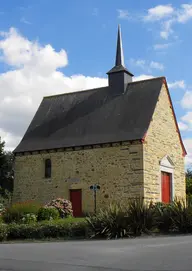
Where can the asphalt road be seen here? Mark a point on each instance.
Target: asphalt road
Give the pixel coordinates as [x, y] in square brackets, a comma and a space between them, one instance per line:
[161, 253]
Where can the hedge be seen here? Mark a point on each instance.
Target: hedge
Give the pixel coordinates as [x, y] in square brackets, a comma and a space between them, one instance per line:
[48, 229]
[113, 222]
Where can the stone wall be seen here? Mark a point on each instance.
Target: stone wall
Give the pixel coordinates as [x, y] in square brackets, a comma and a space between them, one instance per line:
[122, 170]
[162, 139]
[118, 169]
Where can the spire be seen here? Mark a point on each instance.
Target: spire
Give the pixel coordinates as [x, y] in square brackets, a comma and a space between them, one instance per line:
[119, 62]
[119, 77]
[119, 51]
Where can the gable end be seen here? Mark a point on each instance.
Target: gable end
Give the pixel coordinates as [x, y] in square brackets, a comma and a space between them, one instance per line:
[175, 119]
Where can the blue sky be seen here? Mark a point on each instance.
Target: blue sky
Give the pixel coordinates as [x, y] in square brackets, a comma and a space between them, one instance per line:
[82, 37]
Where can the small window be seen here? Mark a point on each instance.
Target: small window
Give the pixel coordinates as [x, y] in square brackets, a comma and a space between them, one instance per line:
[48, 168]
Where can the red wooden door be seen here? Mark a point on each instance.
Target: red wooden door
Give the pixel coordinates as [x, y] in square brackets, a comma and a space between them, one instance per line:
[166, 187]
[76, 200]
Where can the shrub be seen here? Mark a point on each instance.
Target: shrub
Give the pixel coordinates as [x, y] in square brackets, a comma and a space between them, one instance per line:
[109, 223]
[17, 211]
[63, 206]
[3, 232]
[189, 200]
[48, 213]
[141, 218]
[48, 229]
[181, 217]
[5, 196]
[29, 218]
[2, 209]
[163, 217]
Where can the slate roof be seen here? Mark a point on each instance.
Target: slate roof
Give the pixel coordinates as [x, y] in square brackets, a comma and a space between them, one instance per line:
[92, 117]
[120, 112]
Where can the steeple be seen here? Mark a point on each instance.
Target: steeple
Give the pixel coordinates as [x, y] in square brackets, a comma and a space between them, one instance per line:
[119, 76]
[119, 52]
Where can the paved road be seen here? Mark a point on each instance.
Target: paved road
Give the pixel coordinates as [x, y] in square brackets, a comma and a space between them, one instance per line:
[165, 253]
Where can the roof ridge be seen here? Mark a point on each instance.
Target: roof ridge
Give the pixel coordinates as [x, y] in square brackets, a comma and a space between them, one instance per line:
[86, 90]
[149, 79]
[68, 93]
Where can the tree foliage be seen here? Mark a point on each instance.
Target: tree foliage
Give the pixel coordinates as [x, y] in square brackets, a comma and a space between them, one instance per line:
[6, 169]
[189, 182]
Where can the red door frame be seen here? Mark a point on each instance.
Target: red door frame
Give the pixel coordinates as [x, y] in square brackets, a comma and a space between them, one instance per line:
[166, 187]
[76, 200]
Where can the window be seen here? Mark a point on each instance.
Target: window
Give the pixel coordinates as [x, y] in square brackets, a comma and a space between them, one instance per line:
[48, 168]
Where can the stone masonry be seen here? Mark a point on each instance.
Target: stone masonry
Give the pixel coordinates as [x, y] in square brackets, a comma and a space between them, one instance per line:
[117, 169]
[162, 139]
[123, 170]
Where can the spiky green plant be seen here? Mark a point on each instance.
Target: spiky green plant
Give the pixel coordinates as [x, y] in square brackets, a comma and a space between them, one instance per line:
[109, 223]
[163, 217]
[140, 217]
[181, 216]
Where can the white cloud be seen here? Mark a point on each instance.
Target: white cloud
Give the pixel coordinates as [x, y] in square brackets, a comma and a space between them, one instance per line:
[10, 138]
[188, 118]
[23, 20]
[186, 102]
[159, 12]
[160, 46]
[142, 77]
[34, 74]
[156, 65]
[147, 65]
[177, 84]
[123, 13]
[138, 62]
[20, 52]
[167, 16]
[186, 122]
[166, 29]
[188, 145]
[185, 13]
[182, 126]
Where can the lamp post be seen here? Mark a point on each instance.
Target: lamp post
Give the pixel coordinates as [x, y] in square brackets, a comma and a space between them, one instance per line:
[95, 187]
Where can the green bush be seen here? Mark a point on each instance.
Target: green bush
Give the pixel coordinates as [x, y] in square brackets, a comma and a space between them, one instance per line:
[189, 200]
[3, 232]
[48, 229]
[29, 218]
[2, 209]
[181, 217]
[141, 217]
[163, 217]
[113, 222]
[109, 223]
[48, 213]
[5, 196]
[64, 207]
[17, 211]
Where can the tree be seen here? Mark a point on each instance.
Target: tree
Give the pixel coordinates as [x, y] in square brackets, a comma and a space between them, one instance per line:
[189, 182]
[6, 169]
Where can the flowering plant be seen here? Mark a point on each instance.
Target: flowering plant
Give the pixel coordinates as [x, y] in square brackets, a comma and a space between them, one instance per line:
[64, 206]
[2, 208]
